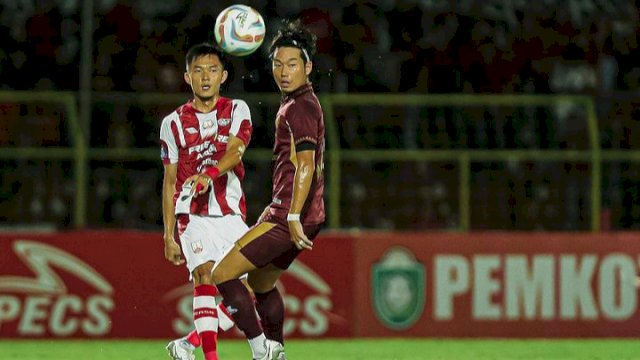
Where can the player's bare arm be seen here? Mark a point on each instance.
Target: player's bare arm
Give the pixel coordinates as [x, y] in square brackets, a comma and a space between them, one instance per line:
[232, 157]
[305, 169]
[171, 249]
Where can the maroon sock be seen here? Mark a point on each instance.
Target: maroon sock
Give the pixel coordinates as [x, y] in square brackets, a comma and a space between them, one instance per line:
[270, 307]
[240, 304]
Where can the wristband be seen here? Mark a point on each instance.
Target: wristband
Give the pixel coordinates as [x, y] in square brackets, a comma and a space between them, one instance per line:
[212, 172]
[293, 217]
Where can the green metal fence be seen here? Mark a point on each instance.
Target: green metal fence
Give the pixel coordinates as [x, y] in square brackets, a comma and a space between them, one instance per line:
[81, 154]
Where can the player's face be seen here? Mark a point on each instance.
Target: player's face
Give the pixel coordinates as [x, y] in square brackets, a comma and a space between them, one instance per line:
[289, 70]
[204, 75]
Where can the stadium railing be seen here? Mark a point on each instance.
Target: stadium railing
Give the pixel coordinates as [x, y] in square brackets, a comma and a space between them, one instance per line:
[81, 154]
[77, 153]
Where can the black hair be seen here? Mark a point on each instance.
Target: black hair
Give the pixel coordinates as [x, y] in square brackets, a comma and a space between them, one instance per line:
[205, 49]
[293, 34]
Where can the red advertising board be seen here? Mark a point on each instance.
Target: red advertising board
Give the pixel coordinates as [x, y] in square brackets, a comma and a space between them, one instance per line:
[118, 285]
[497, 285]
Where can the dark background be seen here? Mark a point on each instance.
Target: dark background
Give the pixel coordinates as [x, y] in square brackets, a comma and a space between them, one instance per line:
[551, 47]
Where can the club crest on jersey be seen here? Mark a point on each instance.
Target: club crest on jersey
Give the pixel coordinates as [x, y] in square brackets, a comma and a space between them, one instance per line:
[208, 123]
[196, 247]
[224, 121]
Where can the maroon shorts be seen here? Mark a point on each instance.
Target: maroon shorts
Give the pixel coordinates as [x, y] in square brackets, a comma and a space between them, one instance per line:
[269, 242]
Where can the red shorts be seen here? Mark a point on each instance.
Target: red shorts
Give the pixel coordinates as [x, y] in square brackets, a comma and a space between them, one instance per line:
[269, 242]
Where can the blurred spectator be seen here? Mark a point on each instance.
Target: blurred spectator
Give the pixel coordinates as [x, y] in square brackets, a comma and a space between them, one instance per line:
[419, 47]
[493, 46]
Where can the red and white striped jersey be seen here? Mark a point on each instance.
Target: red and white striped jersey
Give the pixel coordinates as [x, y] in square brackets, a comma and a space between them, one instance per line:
[195, 141]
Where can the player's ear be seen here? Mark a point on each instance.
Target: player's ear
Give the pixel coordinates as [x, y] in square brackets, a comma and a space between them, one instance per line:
[308, 67]
[187, 78]
[225, 74]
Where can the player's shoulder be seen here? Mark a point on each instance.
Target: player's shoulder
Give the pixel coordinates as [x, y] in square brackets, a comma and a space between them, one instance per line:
[225, 102]
[238, 102]
[171, 117]
[310, 99]
[239, 108]
[179, 111]
[307, 98]
[306, 104]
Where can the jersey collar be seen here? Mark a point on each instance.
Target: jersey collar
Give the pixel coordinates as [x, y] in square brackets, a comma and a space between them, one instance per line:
[189, 108]
[299, 91]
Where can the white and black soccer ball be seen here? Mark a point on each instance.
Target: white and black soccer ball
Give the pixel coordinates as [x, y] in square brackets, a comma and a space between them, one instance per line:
[239, 30]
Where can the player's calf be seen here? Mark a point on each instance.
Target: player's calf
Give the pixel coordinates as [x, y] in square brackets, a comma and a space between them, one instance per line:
[205, 318]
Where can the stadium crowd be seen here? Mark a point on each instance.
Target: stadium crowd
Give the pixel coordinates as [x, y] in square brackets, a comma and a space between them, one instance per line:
[418, 47]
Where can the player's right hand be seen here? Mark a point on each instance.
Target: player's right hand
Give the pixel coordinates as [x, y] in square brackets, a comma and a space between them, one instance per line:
[262, 216]
[172, 252]
[298, 237]
[200, 184]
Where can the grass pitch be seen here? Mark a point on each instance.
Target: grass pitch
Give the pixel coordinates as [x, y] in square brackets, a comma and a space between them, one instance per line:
[359, 349]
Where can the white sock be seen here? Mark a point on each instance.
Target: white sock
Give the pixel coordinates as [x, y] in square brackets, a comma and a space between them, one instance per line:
[225, 322]
[257, 346]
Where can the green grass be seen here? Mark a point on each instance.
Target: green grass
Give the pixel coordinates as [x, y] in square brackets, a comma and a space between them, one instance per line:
[365, 349]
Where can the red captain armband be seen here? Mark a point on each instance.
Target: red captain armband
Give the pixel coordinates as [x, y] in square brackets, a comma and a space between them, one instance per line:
[212, 172]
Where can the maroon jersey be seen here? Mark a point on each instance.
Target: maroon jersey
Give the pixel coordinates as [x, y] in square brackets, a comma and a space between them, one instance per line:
[299, 120]
[196, 141]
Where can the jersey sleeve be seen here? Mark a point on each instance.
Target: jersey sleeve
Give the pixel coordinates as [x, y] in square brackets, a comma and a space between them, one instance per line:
[241, 126]
[168, 144]
[303, 119]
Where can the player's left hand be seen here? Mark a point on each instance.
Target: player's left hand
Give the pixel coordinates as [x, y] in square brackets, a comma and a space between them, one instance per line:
[199, 184]
[172, 251]
[298, 237]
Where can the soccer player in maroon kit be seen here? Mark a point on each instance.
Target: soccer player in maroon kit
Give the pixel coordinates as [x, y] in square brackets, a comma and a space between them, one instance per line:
[202, 144]
[294, 217]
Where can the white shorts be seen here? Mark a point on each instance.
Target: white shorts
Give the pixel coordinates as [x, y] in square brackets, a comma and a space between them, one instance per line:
[208, 238]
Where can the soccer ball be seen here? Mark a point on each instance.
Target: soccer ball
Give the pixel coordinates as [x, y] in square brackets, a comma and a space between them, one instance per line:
[239, 30]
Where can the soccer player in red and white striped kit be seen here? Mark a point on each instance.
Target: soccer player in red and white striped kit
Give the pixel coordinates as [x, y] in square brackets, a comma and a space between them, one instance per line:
[203, 139]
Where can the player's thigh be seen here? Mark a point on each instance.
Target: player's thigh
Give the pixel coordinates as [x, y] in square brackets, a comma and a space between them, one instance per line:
[232, 266]
[264, 242]
[229, 229]
[284, 260]
[199, 240]
[264, 279]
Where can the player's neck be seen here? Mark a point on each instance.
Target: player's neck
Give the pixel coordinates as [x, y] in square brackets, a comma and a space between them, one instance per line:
[205, 105]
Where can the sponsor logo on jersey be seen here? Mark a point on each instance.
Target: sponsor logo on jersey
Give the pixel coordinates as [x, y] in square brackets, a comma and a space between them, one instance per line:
[398, 289]
[191, 131]
[205, 149]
